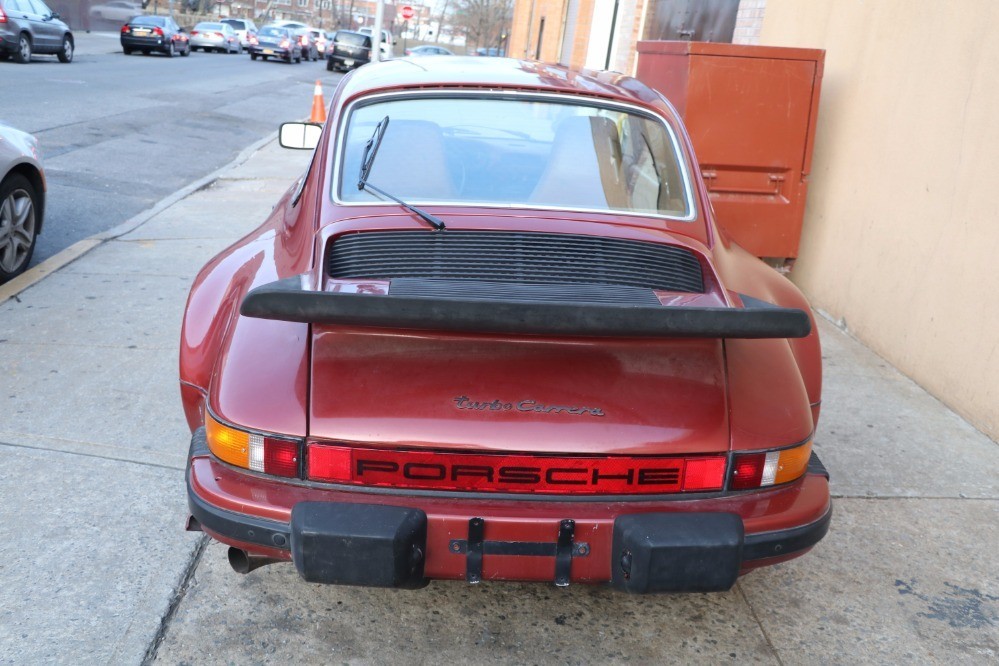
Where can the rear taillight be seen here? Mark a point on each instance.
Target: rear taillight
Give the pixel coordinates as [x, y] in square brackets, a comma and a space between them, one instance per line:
[3, 17]
[270, 454]
[193, 33]
[285, 43]
[219, 35]
[769, 468]
[158, 31]
[125, 29]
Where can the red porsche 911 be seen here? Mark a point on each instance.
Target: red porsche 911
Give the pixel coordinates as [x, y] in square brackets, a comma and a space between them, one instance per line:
[494, 333]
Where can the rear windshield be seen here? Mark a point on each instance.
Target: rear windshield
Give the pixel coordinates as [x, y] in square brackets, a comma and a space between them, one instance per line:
[209, 26]
[238, 25]
[273, 32]
[352, 39]
[519, 152]
[149, 20]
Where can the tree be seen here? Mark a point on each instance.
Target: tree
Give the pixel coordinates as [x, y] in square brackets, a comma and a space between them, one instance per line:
[485, 22]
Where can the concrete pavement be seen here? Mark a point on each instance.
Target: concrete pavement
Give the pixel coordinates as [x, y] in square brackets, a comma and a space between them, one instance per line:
[96, 568]
[96, 42]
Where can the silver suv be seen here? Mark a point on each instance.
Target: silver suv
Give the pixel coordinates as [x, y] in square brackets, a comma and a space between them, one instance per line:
[244, 28]
[29, 26]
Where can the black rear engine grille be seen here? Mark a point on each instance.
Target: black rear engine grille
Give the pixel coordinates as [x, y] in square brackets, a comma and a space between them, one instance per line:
[515, 257]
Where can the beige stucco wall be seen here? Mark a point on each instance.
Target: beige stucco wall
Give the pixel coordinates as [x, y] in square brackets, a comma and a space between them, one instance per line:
[901, 235]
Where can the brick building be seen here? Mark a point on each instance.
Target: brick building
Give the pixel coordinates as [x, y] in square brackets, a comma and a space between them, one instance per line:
[602, 34]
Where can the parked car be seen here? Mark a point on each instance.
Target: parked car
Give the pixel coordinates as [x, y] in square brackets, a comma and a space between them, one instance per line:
[215, 37]
[388, 42]
[319, 39]
[310, 50]
[491, 52]
[22, 200]
[154, 33]
[245, 28]
[29, 27]
[428, 50]
[495, 334]
[348, 50]
[276, 42]
[118, 11]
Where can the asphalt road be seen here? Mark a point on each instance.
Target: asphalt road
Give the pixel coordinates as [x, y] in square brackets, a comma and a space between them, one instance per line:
[119, 133]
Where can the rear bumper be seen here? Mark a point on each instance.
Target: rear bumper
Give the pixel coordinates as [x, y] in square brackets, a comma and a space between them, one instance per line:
[397, 540]
[201, 43]
[341, 60]
[148, 43]
[275, 51]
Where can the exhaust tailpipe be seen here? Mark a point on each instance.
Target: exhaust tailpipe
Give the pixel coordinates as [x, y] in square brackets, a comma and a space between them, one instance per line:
[242, 562]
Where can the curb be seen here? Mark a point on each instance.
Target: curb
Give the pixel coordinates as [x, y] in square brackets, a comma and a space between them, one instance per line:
[63, 258]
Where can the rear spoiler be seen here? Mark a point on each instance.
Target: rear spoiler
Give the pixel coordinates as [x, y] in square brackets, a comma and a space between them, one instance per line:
[288, 300]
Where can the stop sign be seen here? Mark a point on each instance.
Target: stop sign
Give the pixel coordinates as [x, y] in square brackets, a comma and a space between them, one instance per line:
[407, 12]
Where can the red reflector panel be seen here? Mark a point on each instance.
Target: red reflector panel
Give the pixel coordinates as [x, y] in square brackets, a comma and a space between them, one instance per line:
[328, 463]
[747, 471]
[704, 473]
[280, 457]
[435, 470]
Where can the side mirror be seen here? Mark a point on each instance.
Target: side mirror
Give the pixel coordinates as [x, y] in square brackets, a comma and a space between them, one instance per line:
[300, 136]
[54, 15]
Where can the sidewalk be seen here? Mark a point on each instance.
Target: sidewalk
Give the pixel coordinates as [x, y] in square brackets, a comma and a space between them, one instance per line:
[96, 567]
[93, 437]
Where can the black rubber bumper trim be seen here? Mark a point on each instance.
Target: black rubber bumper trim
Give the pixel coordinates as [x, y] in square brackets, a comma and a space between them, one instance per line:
[199, 445]
[815, 466]
[785, 542]
[288, 300]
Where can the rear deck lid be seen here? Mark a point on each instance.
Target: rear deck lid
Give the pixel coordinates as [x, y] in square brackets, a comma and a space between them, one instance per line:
[531, 395]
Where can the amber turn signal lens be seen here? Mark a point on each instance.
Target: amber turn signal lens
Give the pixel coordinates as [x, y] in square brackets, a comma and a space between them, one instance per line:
[792, 463]
[228, 444]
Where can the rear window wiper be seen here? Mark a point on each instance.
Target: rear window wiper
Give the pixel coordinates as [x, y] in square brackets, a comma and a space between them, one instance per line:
[370, 150]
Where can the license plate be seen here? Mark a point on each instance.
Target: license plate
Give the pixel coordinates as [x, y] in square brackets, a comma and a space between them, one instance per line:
[268, 51]
[348, 62]
[141, 33]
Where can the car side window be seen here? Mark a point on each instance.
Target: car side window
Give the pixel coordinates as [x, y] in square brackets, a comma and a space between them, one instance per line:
[39, 7]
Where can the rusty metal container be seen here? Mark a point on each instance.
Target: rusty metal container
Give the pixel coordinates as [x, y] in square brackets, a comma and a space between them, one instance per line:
[751, 113]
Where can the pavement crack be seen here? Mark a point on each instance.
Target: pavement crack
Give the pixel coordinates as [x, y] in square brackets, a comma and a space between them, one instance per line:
[958, 498]
[763, 629]
[179, 593]
[172, 468]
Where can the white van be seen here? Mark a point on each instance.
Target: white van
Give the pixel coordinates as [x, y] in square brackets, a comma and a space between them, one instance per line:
[387, 42]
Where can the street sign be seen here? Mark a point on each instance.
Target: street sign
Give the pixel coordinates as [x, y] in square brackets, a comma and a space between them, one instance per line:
[407, 12]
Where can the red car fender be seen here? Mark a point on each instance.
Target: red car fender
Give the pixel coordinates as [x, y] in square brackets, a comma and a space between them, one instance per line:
[281, 246]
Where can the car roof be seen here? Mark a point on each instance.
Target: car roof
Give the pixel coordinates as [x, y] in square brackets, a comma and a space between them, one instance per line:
[470, 71]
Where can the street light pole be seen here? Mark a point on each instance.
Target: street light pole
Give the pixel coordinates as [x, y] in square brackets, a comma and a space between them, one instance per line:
[376, 31]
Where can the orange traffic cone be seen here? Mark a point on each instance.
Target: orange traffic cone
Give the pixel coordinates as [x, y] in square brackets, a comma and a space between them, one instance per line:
[318, 105]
